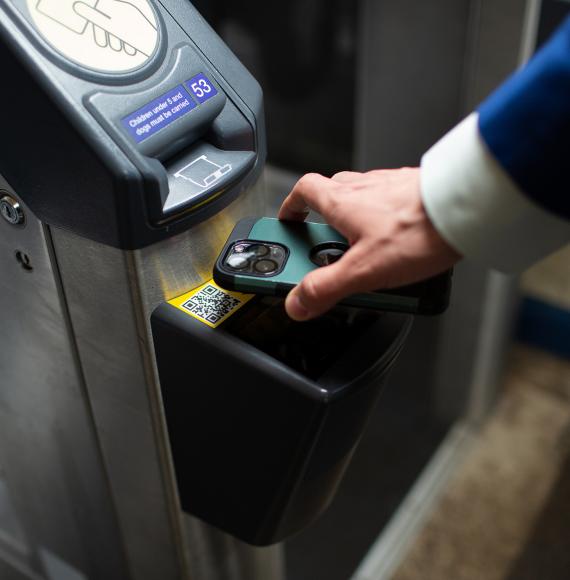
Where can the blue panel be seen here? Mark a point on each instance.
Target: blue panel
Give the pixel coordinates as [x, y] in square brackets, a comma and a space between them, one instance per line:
[158, 114]
[201, 88]
[544, 326]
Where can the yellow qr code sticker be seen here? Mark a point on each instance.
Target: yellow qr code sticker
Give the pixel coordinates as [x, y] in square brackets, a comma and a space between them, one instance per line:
[210, 304]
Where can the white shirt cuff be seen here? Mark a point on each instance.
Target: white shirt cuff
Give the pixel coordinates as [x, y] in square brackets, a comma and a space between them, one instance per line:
[479, 210]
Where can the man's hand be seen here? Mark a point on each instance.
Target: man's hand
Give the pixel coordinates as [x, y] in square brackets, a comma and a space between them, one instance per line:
[392, 241]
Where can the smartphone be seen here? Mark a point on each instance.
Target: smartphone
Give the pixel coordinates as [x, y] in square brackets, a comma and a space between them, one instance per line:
[269, 256]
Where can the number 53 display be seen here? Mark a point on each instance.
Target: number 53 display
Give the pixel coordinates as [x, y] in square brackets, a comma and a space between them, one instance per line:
[201, 88]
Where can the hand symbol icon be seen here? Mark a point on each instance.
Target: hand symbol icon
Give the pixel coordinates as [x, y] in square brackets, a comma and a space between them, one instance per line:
[111, 36]
[127, 25]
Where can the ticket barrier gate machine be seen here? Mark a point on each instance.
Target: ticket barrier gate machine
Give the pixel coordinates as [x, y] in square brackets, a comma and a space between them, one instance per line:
[132, 141]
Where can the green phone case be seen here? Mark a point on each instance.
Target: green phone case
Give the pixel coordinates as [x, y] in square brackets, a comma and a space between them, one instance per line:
[430, 297]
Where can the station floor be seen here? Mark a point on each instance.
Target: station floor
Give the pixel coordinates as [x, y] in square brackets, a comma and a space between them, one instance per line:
[506, 513]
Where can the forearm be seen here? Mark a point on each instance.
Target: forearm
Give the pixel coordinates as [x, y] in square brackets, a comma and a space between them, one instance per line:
[477, 207]
[496, 187]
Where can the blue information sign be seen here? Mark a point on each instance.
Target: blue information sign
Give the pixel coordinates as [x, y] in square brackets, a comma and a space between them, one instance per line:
[201, 88]
[158, 114]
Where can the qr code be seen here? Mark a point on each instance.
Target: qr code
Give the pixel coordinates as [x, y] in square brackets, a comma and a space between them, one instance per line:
[211, 304]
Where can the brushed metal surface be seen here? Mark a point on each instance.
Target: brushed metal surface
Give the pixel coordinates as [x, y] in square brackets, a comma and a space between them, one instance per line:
[111, 294]
[14, 572]
[13, 541]
[101, 290]
[416, 89]
[476, 331]
[411, 59]
[51, 466]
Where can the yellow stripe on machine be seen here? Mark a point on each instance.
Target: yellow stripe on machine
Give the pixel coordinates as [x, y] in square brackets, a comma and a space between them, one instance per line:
[210, 304]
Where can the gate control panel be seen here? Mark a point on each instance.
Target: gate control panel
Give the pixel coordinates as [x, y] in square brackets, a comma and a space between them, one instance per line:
[132, 119]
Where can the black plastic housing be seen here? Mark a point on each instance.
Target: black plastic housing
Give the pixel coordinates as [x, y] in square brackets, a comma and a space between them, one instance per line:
[264, 414]
[64, 149]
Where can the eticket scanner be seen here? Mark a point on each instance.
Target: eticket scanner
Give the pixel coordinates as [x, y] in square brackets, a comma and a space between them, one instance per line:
[132, 143]
[143, 123]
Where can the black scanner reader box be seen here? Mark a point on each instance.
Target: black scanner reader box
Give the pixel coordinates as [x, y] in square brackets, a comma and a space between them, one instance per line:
[264, 413]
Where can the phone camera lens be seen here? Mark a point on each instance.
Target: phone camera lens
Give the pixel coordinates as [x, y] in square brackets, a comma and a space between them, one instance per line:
[277, 253]
[328, 253]
[237, 262]
[265, 266]
[258, 250]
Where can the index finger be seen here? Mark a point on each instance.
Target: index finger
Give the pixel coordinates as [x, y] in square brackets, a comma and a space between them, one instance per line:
[311, 192]
[92, 15]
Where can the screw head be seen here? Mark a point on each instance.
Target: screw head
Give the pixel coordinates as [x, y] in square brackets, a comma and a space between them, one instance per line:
[11, 210]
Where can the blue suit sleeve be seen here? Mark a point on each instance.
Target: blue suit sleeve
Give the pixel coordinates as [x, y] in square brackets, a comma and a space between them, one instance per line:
[525, 124]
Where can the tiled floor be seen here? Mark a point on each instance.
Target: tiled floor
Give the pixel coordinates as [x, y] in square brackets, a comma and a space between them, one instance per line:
[506, 513]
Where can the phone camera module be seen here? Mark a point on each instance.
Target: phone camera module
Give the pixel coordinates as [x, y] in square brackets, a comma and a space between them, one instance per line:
[256, 258]
[328, 253]
[265, 266]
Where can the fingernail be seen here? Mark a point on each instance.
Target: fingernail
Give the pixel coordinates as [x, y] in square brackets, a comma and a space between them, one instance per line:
[295, 308]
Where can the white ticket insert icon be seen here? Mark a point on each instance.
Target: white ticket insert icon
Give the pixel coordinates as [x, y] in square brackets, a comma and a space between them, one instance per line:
[203, 172]
[105, 35]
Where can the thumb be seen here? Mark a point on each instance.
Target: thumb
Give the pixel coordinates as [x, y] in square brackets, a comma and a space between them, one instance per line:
[92, 15]
[321, 289]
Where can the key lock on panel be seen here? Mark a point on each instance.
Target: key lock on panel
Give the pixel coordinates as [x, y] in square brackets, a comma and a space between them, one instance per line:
[142, 124]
